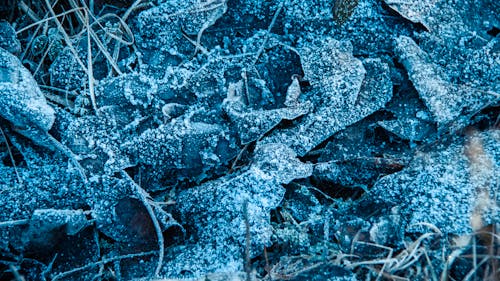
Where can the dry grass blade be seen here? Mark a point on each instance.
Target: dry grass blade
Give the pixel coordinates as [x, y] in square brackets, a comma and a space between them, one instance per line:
[431, 267]
[411, 254]
[117, 37]
[474, 270]
[65, 92]
[449, 261]
[123, 25]
[289, 269]
[388, 276]
[84, 19]
[90, 67]
[268, 32]
[404, 262]
[66, 37]
[25, 8]
[83, 14]
[47, 19]
[133, 7]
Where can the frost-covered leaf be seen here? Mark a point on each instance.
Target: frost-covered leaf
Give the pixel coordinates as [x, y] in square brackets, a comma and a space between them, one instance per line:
[442, 188]
[8, 38]
[216, 212]
[446, 101]
[46, 221]
[447, 18]
[415, 11]
[161, 30]
[21, 100]
[98, 139]
[251, 124]
[341, 94]
[411, 129]
[134, 90]
[66, 73]
[182, 148]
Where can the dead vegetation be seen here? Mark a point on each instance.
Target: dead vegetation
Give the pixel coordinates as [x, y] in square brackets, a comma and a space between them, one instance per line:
[97, 32]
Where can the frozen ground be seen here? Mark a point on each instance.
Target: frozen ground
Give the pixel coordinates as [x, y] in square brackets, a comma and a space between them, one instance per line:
[250, 140]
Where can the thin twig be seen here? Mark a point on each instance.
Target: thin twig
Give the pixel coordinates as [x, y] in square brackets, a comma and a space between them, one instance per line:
[248, 263]
[14, 223]
[15, 272]
[104, 261]
[195, 43]
[271, 25]
[72, 157]
[143, 197]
